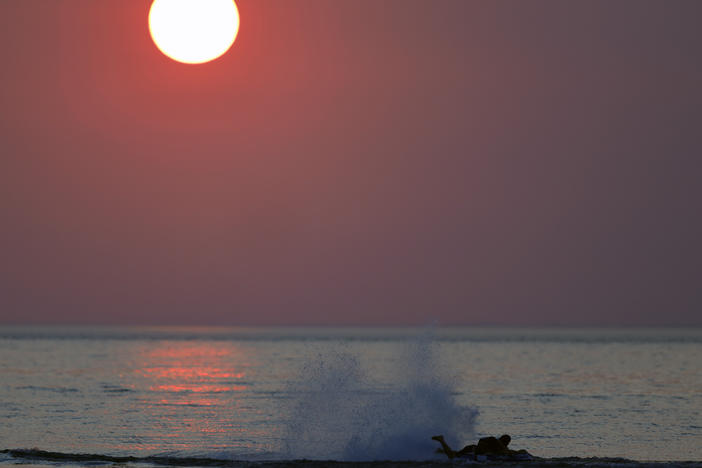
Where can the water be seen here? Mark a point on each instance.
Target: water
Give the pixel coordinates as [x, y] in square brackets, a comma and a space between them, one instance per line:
[348, 394]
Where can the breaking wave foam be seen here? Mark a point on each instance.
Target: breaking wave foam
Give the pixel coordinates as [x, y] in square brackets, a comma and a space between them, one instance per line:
[342, 414]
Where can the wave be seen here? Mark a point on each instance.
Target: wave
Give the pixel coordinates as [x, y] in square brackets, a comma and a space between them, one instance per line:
[339, 414]
[37, 388]
[23, 456]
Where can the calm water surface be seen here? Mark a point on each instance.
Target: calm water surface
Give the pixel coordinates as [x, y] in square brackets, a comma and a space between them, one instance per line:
[267, 393]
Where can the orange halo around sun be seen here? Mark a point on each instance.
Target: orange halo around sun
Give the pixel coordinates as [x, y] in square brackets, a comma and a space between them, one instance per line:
[193, 31]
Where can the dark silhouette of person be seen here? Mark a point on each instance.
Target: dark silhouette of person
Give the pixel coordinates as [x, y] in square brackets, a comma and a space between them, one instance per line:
[486, 446]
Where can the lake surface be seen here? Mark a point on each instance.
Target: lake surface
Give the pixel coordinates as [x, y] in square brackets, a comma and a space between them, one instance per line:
[350, 393]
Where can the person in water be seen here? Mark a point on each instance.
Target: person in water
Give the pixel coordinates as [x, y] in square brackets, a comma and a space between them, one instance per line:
[488, 446]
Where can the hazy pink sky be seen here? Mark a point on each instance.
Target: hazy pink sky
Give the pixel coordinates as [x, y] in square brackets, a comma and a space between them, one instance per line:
[354, 162]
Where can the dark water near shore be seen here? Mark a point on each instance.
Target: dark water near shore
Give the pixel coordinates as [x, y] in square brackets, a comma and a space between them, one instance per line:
[237, 396]
[46, 459]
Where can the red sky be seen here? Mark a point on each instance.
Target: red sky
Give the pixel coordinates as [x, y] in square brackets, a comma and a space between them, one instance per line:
[354, 162]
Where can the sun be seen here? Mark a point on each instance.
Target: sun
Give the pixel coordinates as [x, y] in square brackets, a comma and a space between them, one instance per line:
[193, 31]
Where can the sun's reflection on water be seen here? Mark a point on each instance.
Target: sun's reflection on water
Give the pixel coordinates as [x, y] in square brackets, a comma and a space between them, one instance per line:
[194, 391]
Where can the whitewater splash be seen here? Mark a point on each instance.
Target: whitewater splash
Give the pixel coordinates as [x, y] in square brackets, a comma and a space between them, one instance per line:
[341, 414]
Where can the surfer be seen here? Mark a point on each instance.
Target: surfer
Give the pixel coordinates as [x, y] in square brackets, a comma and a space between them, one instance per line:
[487, 446]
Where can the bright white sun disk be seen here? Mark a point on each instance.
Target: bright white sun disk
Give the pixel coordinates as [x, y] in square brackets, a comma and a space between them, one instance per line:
[193, 31]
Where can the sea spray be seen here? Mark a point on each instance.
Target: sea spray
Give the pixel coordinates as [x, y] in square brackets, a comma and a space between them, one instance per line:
[341, 413]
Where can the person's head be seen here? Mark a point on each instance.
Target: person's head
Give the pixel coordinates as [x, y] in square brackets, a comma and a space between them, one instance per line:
[505, 439]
